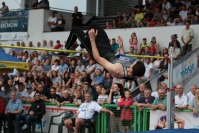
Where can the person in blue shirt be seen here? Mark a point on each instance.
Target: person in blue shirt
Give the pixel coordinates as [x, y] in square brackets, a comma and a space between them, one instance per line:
[97, 43]
[13, 108]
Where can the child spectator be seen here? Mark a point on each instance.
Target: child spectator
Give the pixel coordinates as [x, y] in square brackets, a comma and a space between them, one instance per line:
[133, 41]
[103, 97]
[126, 112]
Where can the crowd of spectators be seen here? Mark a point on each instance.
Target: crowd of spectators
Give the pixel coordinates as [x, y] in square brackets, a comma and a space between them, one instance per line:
[157, 13]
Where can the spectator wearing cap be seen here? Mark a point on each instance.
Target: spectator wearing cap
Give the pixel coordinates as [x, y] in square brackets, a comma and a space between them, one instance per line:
[30, 95]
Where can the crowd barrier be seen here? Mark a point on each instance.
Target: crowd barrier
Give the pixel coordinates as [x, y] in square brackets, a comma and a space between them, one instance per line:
[104, 123]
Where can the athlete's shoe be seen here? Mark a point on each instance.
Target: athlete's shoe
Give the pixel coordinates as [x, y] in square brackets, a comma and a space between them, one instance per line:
[61, 53]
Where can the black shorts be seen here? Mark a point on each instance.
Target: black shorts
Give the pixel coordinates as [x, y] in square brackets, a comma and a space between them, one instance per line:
[73, 121]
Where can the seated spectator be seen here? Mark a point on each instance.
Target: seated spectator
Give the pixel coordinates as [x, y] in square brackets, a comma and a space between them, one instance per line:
[85, 77]
[65, 98]
[86, 88]
[146, 101]
[52, 20]
[139, 15]
[80, 67]
[157, 15]
[142, 87]
[176, 7]
[37, 67]
[66, 80]
[108, 81]
[78, 99]
[114, 45]
[165, 15]
[194, 106]
[77, 78]
[55, 66]
[90, 68]
[195, 20]
[149, 69]
[53, 97]
[5, 91]
[44, 4]
[91, 108]
[46, 56]
[108, 25]
[103, 97]
[156, 45]
[47, 65]
[46, 83]
[35, 113]
[181, 101]
[170, 22]
[96, 92]
[13, 108]
[60, 24]
[156, 65]
[55, 77]
[161, 22]
[11, 86]
[98, 78]
[178, 21]
[29, 97]
[191, 94]
[62, 67]
[4, 8]
[161, 101]
[21, 91]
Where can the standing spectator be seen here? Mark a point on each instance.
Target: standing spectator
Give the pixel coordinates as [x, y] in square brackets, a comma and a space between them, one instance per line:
[133, 42]
[53, 97]
[187, 37]
[139, 15]
[174, 39]
[13, 108]
[66, 80]
[60, 23]
[176, 51]
[126, 112]
[181, 101]
[161, 101]
[78, 99]
[66, 98]
[35, 113]
[77, 18]
[191, 94]
[35, 4]
[4, 8]
[52, 20]
[149, 68]
[194, 106]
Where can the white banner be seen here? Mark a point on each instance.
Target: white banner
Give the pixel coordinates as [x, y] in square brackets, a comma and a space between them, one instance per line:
[14, 36]
[186, 69]
[51, 111]
[184, 120]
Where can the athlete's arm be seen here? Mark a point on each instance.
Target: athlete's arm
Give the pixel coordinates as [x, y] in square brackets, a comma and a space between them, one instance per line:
[116, 70]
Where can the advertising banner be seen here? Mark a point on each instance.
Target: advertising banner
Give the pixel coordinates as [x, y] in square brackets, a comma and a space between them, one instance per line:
[14, 21]
[13, 36]
[184, 120]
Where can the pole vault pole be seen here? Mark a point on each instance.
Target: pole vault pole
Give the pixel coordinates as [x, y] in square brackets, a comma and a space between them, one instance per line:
[170, 94]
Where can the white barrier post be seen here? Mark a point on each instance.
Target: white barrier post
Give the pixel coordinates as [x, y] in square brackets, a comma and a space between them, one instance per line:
[170, 93]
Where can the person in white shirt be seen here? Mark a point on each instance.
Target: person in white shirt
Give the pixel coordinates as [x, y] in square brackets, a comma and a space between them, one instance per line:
[187, 37]
[52, 20]
[86, 111]
[181, 101]
[191, 94]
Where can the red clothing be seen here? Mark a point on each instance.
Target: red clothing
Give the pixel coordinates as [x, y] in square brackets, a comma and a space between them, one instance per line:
[126, 113]
[152, 49]
[2, 105]
[58, 46]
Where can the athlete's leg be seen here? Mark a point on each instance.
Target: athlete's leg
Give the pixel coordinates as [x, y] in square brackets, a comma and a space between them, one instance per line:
[77, 33]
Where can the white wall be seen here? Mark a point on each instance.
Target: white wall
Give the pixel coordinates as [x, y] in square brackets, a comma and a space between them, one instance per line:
[162, 34]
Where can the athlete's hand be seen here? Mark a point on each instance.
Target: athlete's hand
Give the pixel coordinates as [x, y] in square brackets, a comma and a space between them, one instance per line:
[92, 34]
[120, 41]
